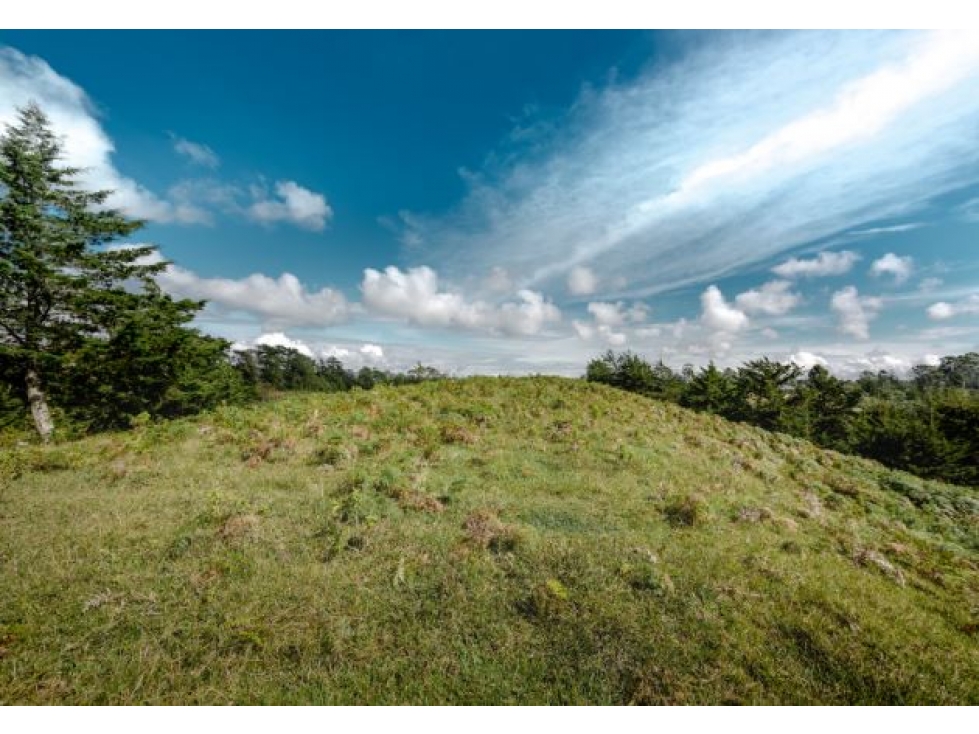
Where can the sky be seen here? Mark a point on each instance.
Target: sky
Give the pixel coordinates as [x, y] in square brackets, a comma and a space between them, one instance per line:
[522, 201]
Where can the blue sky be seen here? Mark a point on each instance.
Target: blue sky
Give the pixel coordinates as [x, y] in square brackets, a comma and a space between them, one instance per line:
[521, 201]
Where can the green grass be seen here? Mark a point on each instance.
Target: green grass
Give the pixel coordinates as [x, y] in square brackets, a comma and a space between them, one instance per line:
[490, 540]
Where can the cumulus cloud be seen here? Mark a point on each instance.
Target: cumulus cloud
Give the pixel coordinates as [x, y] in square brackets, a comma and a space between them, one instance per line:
[415, 295]
[279, 339]
[372, 352]
[293, 204]
[807, 360]
[604, 333]
[609, 322]
[826, 263]
[197, 153]
[582, 281]
[945, 310]
[775, 298]
[873, 362]
[855, 312]
[617, 314]
[353, 357]
[900, 268]
[684, 173]
[282, 301]
[719, 315]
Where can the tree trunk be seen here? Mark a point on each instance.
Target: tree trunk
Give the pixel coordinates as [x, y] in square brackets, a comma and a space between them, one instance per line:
[39, 405]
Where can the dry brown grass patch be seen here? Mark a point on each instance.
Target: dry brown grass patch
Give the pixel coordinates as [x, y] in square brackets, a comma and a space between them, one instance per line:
[238, 526]
[415, 500]
[458, 434]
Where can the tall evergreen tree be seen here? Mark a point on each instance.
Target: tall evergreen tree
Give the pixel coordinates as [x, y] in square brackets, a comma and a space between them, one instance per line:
[709, 390]
[58, 285]
[763, 388]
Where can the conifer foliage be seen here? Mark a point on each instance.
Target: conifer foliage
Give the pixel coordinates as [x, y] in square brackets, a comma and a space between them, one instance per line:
[68, 298]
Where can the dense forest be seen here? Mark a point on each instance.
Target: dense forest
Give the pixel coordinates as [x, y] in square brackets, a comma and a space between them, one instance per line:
[926, 423]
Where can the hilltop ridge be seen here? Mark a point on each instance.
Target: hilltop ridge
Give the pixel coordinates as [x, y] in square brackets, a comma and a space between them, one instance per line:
[487, 540]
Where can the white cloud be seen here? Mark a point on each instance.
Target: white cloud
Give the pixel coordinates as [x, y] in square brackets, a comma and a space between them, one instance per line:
[612, 323]
[340, 353]
[608, 314]
[86, 145]
[969, 210]
[278, 339]
[774, 298]
[582, 281]
[826, 263]
[807, 360]
[372, 352]
[367, 354]
[941, 310]
[638, 312]
[873, 362]
[684, 173]
[353, 357]
[599, 332]
[892, 229]
[944, 310]
[415, 295]
[295, 204]
[617, 314]
[282, 301]
[718, 314]
[929, 284]
[197, 153]
[860, 110]
[900, 268]
[498, 281]
[855, 311]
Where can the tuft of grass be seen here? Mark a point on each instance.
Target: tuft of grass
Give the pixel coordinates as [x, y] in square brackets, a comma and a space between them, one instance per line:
[685, 510]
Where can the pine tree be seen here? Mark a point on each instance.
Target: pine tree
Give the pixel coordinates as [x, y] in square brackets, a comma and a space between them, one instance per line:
[58, 283]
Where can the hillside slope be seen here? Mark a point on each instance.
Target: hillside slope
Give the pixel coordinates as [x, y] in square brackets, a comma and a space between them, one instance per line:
[490, 540]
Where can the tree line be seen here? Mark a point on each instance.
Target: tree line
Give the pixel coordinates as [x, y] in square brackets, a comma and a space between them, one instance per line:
[89, 341]
[926, 423]
[268, 369]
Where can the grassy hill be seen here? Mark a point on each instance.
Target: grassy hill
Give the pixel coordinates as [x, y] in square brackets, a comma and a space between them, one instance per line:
[483, 541]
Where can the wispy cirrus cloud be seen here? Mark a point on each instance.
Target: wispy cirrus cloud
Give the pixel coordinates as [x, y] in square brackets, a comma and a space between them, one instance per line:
[748, 147]
[197, 153]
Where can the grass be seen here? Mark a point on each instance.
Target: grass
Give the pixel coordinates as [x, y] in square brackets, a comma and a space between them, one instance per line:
[490, 540]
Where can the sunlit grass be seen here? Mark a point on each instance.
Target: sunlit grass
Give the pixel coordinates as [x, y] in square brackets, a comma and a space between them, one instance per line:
[480, 541]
